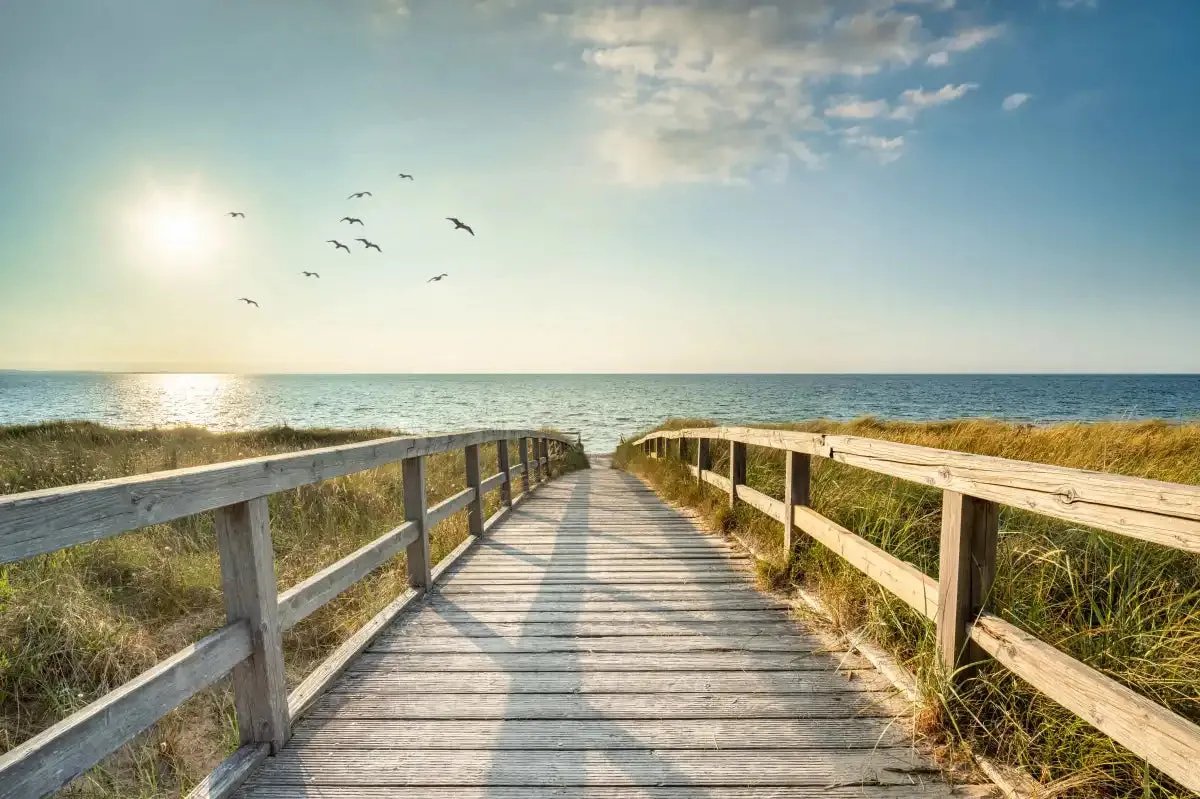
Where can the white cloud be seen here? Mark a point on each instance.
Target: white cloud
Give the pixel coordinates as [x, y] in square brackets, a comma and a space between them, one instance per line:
[964, 40]
[913, 101]
[938, 59]
[883, 149]
[853, 107]
[1069, 4]
[1015, 101]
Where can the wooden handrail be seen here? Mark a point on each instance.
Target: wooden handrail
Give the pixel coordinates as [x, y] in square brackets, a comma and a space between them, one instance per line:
[251, 646]
[973, 486]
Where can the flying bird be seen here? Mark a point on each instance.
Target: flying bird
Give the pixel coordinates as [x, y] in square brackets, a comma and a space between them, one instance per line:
[310, 274]
[406, 177]
[337, 245]
[436, 278]
[248, 301]
[460, 225]
[360, 194]
[369, 244]
[354, 220]
[236, 213]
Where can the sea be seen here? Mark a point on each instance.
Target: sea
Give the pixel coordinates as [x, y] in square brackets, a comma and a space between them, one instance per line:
[602, 408]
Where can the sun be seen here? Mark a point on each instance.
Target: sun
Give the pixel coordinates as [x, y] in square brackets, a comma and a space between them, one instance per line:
[175, 229]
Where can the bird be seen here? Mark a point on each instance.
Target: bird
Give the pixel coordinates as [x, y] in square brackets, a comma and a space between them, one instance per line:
[406, 177]
[458, 223]
[354, 220]
[236, 213]
[337, 245]
[369, 244]
[436, 278]
[360, 194]
[248, 301]
[310, 274]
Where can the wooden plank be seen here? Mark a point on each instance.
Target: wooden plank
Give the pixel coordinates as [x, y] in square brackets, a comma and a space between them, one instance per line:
[559, 591]
[607, 661]
[505, 467]
[599, 645]
[492, 483]
[1167, 741]
[737, 470]
[524, 447]
[627, 613]
[232, 772]
[923, 786]
[448, 507]
[703, 458]
[441, 627]
[371, 680]
[417, 558]
[603, 603]
[914, 587]
[720, 481]
[793, 440]
[304, 598]
[847, 704]
[546, 457]
[531, 734]
[468, 579]
[57, 755]
[694, 769]
[248, 585]
[967, 567]
[760, 501]
[35, 522]
[475, 489]
[797, 487]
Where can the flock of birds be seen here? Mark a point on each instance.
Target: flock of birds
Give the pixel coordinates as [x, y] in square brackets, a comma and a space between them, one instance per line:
[367, 244]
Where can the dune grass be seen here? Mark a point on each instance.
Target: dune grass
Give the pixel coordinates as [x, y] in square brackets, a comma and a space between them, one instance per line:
[77, 623]
[1126, 608]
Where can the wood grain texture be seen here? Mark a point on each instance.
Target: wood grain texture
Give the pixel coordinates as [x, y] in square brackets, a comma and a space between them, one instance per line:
[966, 570]
[417, 557]
[248, 585]
[448, 507]
[796, 491]
[1167, 741]
[524, 447]
[474, 489]
[232, 772]
[304, 598]
[505, 467]
[492, 483]
[737, 470]
[36, 522]
[55, 756]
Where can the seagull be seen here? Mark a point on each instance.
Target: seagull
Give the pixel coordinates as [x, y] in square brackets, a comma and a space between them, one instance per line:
[337, 245]
[310, 274]
[248, 301]
[354, 220]
[369, 244]
[360, 194]
[406, 177]
[458, 224]
[437, 278]
[236, 213]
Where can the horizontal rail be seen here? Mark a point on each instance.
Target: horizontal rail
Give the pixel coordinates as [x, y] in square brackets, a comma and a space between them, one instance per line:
[36, 522]
[447, 508]
[304, 598]
[55, 756]
[492, 483]
[1149, 510]
[1164, 739]
[225, 778]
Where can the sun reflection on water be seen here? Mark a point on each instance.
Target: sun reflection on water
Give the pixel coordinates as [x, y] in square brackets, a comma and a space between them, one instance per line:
[180, 399]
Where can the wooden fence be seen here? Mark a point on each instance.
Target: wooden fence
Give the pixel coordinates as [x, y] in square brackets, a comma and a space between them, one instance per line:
[973, 487]
[251, 644]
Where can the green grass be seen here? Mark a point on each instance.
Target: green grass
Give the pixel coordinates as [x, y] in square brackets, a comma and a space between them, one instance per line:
[77, 623]
[1126, 608]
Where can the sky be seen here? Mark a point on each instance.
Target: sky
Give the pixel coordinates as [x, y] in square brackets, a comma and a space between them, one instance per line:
[666, 186]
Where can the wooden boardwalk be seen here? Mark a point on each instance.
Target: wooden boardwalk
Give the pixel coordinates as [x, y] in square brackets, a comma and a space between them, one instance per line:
[597, 644]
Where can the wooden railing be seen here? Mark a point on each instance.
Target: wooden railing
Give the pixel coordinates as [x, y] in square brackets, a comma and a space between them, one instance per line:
[973, 487]
[251, 643]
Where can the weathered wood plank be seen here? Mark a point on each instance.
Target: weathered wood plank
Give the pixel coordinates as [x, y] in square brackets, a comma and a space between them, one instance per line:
[597, 644]
[592, 629]
[966, 570]
[760, 501]
[674, 617]
[232, 772]
[475, 490]
[492, 483]
[248, 585]
[797, 489]
[610, 661]
[1167, 741]
[417, 557]
[602, 603]
[524, 448]
[737, 470]
[448, 507]
[505, 473]
[57, 755]
[304, 598]
[36, 522]
[922, 787]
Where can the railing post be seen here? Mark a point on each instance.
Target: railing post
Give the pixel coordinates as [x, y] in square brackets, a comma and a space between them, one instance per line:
[796, 487]
[418, 562]
[503, 466]
[737, 469]
[546, 453]
[967, 567]
[683, 449]
[660, 448]
[475, 508]
[248, 582]
[524, 465]
[703, 459]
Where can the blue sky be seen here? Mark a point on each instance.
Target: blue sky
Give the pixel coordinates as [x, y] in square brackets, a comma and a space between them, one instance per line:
[669, 186]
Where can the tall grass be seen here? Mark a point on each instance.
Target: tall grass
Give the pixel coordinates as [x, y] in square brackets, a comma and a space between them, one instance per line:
[1126, 608]
[77, 623]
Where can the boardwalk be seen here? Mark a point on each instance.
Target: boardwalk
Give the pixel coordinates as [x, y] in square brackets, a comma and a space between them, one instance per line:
[598, 645]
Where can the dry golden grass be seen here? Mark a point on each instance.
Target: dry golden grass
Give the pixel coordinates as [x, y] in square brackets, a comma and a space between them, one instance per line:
[1129, 609]
[78, 623]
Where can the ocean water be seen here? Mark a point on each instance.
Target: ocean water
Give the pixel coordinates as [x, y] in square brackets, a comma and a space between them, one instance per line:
[601, 407]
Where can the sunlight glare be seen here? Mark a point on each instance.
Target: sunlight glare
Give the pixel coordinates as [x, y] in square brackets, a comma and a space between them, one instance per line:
[175, 230]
